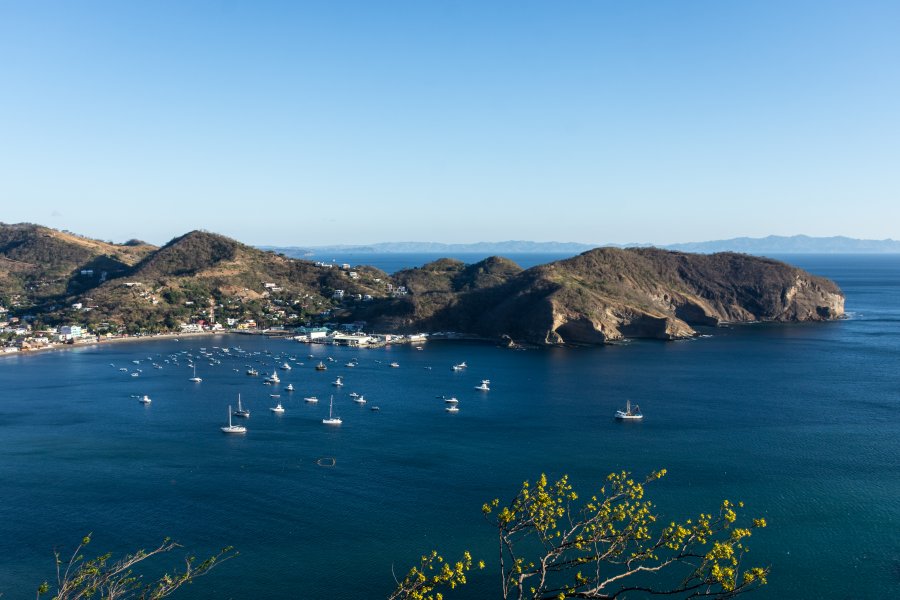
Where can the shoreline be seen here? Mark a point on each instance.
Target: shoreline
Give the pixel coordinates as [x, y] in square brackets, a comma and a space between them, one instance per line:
[115, 340]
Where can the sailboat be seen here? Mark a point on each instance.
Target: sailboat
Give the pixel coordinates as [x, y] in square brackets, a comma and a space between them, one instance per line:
[241, 411]
[195, 379]
[232, 428]
[331, 420]
[630, 414]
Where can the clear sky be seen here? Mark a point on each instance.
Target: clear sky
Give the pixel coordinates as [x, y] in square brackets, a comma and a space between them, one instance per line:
[306, 123]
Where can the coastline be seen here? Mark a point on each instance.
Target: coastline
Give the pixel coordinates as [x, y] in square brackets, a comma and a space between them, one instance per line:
[114, 340]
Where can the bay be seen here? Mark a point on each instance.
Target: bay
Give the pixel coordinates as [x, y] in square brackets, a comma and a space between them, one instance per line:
[799, 421]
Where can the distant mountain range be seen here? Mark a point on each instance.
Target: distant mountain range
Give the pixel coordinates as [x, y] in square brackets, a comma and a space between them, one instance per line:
[773, 244]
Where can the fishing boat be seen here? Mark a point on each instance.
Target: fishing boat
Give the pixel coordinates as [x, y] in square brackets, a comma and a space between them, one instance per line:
[630, 414]
[145, 399]
[252, 372]
[232, 428]
[321, 366]
[195, 379]
[485, 385]
[241, 411]
[331, 420]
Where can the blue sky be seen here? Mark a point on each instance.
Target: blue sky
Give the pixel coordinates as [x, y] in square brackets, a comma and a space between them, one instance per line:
[304, 123]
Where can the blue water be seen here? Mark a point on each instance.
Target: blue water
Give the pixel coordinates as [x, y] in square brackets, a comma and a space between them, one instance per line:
[801, 422]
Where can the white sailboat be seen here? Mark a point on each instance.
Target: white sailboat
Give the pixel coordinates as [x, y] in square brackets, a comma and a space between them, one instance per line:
[232, 428]
[331, 420]
[241, 411]
[195, 379]
[630, 414]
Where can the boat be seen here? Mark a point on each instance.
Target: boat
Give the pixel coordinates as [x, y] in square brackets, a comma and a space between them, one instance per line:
[452, 401]
[485, 385]
[135, 374]
[232, 428]
[321, 366]
[460, 366]
[125, 369]
[375, 408]
[252, 372]
[145, 399]
[338, 382]
[350, 364]
[277, 409]
[331, 420]
[395, 364]
[285, 367]
[630, 414]
[290, 387]
[354, 395]
[195, 379]
[360, 399]
[311, 399]
[453, 408]
[273, 378]
[241, 411]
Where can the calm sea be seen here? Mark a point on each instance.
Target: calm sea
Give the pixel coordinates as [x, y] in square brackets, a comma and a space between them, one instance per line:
[801, 422]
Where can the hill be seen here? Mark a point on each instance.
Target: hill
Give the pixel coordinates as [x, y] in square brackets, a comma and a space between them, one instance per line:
[599, 296]
[608, 294]
[39, 265]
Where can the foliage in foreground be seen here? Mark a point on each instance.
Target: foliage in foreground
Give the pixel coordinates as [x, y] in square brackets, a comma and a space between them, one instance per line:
[552, 547]
[102, 577]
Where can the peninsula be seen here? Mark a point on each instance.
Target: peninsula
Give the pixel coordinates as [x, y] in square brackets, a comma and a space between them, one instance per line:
[51, 279]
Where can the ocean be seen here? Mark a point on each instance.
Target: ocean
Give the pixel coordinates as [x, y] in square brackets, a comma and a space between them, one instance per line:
[801, 422]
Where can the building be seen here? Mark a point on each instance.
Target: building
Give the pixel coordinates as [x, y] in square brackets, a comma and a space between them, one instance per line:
[70, 332]
[312, 333]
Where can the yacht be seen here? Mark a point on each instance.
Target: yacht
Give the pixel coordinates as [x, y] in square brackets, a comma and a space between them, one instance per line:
[285, 367]
[630, 414]
[331, 420]
[232, 428]
[485, 385]
[273, 378]
[145, 399]
[360, 399]
[290, 387]
[453, 408]
[278, 409]
[311, 399]
[460, 366]
[321, 366]
[354, 395]
[451, 401]
[252, 372]
[338, 382]
[241, 411]
[395, 364]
